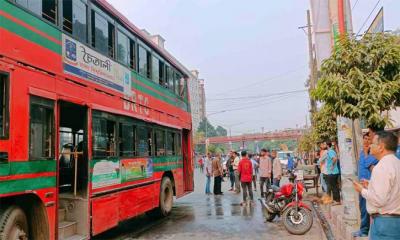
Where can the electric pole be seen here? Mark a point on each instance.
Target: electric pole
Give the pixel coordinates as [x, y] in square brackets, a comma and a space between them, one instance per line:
[312, 66]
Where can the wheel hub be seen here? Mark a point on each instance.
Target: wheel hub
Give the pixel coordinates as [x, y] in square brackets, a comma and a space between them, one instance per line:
[296, 218]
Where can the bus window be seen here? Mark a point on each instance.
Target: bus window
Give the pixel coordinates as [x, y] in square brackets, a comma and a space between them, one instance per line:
[103, 137]
[170, 78]
[161, 73]
[178, 145]
[45, 8]
[144, 141]
[41, 144]
[170, 143]
[155, 74]
[132, 52]
[127, 142]
[102, 34]
[144, 62]
[74, 19]
[3, 106]
[123, 48]
[159, 136]
[176, 82]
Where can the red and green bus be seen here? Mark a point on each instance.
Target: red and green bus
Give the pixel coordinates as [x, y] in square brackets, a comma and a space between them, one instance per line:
[95, 124]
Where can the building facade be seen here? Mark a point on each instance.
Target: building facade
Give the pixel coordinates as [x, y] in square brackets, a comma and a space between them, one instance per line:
[195, 98]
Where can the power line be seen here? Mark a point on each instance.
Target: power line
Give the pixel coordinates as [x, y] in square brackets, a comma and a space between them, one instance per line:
[264, 80]
[258, 101]
[354, 5]
[258, 96]
[258, 105]
[366, 20]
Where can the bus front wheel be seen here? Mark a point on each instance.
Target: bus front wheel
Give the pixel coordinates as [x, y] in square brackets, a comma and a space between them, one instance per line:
[166, 199]
[13, 224]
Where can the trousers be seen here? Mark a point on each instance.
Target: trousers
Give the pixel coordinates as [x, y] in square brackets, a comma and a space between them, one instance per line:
[246, 187]
[365, 219]
[385, 228]
[208, 183]
[237, 181]
[232, 178]
[217, 184]
[333, 186]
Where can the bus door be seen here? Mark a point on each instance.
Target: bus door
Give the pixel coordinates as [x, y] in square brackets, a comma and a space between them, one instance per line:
[187, 161]
[73, 170]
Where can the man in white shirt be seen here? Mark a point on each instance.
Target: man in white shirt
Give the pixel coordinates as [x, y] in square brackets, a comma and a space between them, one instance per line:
[235, 169]
[382, 192]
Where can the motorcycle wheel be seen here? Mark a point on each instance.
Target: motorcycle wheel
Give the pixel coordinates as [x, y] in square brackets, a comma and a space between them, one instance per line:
[297, 224]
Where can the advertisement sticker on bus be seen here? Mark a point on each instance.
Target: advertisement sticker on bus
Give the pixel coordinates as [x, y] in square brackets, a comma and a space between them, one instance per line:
[106, 173]
[132, 169]
[82, 61]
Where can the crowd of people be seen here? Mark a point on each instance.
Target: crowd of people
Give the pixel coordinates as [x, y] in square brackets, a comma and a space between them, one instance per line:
[378, 182]
[244, 171]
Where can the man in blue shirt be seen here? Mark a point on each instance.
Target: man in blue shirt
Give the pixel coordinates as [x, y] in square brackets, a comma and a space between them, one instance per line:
[332, 171]
[290, 164]
[365, 165]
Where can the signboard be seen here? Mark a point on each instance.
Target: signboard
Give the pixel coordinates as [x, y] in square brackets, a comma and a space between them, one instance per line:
[83, 62]
[132, 169]
[106, 173]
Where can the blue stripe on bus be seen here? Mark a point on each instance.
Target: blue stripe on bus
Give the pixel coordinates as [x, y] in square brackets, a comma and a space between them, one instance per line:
[81, 73]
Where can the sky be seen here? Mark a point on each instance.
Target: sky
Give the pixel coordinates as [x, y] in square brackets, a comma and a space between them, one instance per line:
[253, 57]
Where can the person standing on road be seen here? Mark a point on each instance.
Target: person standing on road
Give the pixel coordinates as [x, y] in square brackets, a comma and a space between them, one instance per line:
[245, 170]
[290, 164]
[276, 169]
[365, 166]
[208, 171]
[201, 164]
[236, 161]
[229, 167]
[255, 167]
[332, 170]
[382, 192]
[217, 173]
[322, 166]
[265, 170]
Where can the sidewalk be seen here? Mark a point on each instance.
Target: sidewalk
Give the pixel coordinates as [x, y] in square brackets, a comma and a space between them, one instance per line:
[334, 215]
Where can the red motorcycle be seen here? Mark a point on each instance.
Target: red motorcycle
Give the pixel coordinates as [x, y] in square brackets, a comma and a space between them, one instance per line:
[287, 202]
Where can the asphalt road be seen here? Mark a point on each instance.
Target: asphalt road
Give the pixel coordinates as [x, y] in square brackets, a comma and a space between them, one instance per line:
[198, 216]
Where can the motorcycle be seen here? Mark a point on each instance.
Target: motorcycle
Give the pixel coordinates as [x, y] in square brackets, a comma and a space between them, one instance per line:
[287, 202]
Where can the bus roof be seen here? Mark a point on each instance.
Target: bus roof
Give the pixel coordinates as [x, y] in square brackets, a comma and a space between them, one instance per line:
[129, 25]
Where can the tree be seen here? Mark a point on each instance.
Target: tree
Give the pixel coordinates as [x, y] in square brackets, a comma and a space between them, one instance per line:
[221, 131]
[306, 142]
[324, 125]
[361, 79]
[211, 132]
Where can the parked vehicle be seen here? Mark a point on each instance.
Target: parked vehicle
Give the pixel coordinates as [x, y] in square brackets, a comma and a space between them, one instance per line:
[287, 202]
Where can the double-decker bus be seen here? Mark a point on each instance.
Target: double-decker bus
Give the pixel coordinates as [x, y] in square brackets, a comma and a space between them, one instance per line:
[95, 124]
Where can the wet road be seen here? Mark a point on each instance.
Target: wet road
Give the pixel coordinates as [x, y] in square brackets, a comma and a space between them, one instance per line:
[198, 216]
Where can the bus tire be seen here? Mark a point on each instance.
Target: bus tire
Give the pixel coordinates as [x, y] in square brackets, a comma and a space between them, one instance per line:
[13, 224]
[166, 200]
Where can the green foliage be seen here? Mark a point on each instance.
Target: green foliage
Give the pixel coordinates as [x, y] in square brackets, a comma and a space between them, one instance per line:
[307, 142]
[211, 130]
[221, 131]
[324, 125]
[362, 78]
[216, 148]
